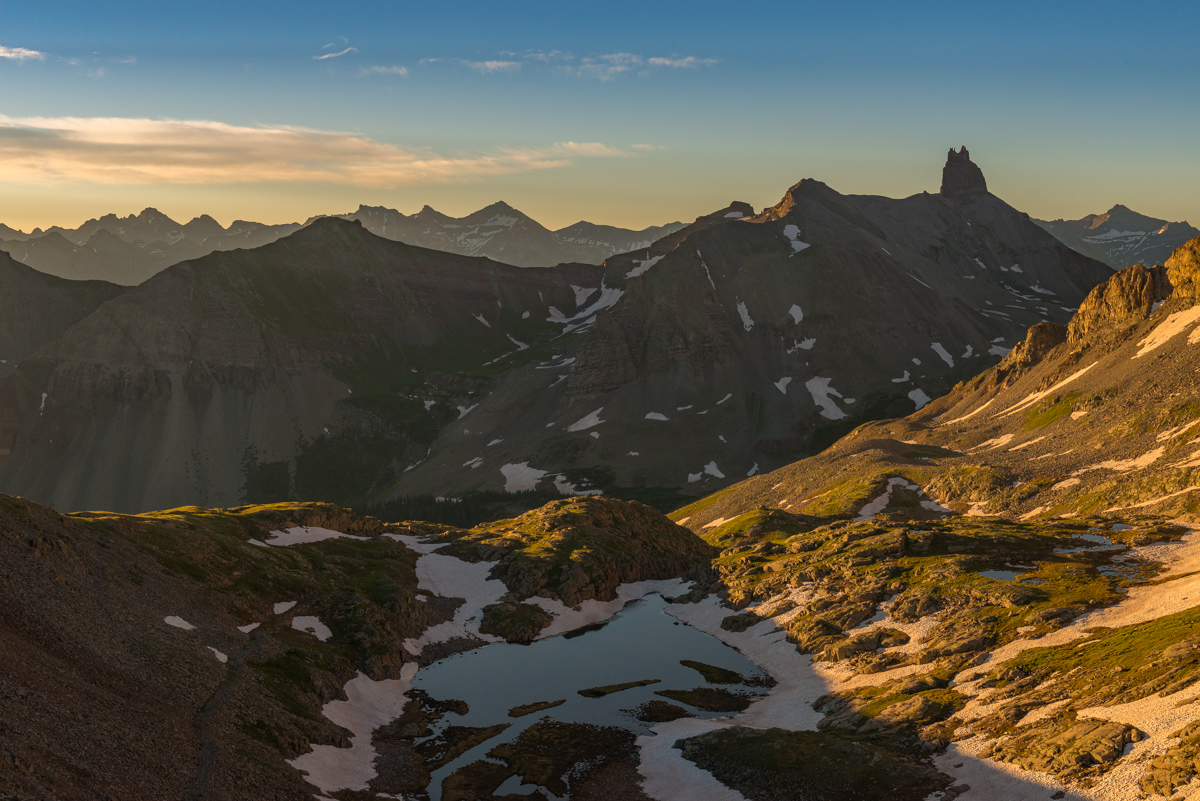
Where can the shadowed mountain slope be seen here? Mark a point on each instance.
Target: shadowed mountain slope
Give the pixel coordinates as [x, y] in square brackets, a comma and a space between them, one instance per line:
[336, 365]
[1097, 417]
[756, 340]
[36, 308]
[215, 365]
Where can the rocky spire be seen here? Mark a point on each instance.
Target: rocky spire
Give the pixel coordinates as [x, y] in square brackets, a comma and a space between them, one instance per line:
[961, 176]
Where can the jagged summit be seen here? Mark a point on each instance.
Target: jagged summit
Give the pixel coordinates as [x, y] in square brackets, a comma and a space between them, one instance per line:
[961, 176]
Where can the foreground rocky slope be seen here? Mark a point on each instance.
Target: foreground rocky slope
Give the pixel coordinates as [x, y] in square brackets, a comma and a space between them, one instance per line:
[201, 654]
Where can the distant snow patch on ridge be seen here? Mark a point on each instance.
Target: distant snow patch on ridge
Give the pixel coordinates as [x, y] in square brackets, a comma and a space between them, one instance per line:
[727, 397]
[734, 215]
[712, 470]
[919, 397]
[1037, 396]
[753, 470]
[942, 352]
[521, 477]
[1177, 323]
[464, 410]
[479, 317]
[643, 266]
[782, 383]
[585, 423]
[792, 232]
[744, 313]
[999, 350]
[797, 313]
[823, 395]
[656, 416]
[906, 377]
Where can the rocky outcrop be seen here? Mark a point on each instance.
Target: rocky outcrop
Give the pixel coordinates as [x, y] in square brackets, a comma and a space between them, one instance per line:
[1121, 302]
[581, 549]
[961, 176]
[1183, 270]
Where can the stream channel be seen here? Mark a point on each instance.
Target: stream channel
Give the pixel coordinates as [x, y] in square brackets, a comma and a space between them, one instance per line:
[640, 642]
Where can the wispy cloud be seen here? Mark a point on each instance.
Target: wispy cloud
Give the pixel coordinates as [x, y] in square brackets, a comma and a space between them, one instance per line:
[401, 71]
[610, 65]
[686, 63]
[21, 54]
[488, 67]
[338, 54]
[143, 151]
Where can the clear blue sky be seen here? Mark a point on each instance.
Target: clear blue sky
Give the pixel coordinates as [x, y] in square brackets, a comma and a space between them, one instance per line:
[624, 113]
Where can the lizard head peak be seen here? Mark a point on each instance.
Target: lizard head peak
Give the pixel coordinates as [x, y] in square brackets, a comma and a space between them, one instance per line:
[961, 176]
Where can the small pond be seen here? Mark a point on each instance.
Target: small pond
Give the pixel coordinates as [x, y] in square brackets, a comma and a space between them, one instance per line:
[1100, 543]
[640, 643]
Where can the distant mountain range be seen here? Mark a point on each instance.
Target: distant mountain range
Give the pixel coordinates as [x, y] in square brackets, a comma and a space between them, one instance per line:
[1121, 237]
[335, 364]
[128, 250]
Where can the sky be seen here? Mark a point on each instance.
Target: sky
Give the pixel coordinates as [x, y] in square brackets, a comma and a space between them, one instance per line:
[624, 113]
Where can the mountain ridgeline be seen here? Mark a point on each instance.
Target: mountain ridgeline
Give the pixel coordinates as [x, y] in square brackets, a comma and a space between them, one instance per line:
[128, 250]
[338, 365]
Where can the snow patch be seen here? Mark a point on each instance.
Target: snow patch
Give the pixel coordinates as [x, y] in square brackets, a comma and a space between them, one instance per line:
[656, 416]
[823, 395]
[792, 232]
[178, 622]
[305, 535]
[796, 312]
[464, 410]
[712, 470]
[284, 606]
[521, 477]
[906, 377]
[782, 383]
[943, 353]
[642, 266]
[1177, 323]
[311, 624]
[368, 705]
[479, 317]
[585, 423]
[919, 397]
[222, 658]
[744, 313]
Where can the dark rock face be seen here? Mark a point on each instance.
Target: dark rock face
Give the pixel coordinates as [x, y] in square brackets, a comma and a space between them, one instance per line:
[961, 176]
